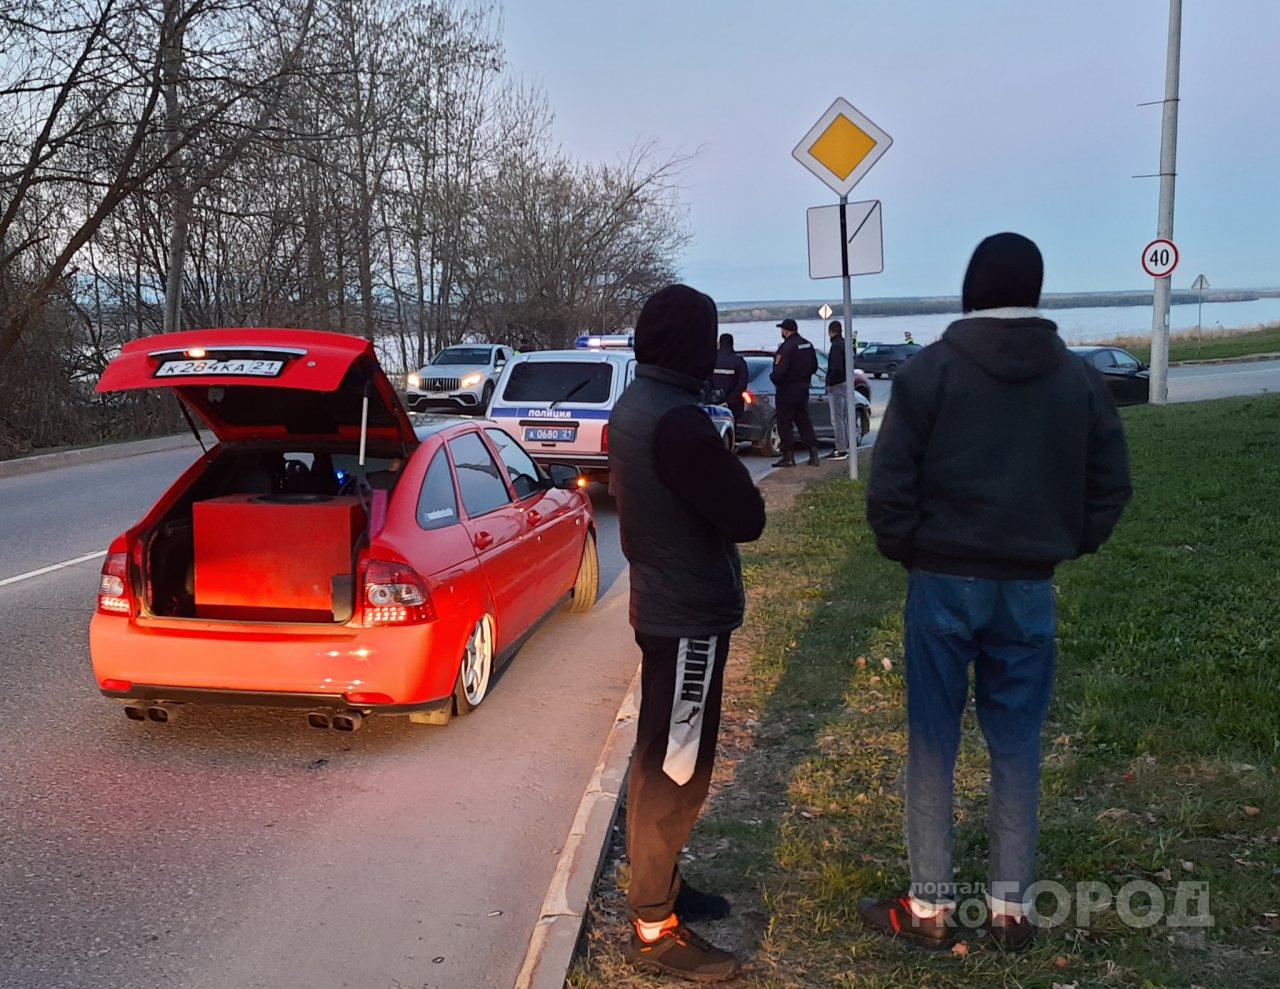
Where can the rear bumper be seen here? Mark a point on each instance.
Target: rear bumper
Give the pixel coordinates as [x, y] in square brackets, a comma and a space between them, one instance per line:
[264, 698]
[315, 665]
[594, 462]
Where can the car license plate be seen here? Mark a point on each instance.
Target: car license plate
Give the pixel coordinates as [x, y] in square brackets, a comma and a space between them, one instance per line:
[197, 368]
[549, 434]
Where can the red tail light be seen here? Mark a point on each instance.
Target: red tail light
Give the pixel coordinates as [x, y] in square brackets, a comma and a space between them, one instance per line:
[394, 594]
[113, 585]
[748, 398]
[604, 439]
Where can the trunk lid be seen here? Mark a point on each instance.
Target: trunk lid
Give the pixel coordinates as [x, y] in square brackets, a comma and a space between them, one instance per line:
[268, 383]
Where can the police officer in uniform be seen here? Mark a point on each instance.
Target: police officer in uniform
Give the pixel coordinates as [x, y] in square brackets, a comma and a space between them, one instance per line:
[730, 375]
[794, 365]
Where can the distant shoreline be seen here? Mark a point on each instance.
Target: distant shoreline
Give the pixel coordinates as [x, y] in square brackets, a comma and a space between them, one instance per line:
[744, 312]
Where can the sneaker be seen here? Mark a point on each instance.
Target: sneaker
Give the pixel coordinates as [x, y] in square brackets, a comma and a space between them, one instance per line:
[681, 952]
[893, 917]
[694, 905]
[838, 455]
[1009, 933]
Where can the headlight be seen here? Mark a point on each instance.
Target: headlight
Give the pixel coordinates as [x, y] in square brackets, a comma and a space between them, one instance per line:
[471, 380]
[414, 381]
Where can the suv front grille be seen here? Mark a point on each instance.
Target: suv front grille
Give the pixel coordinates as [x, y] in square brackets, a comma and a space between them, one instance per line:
[441, 384]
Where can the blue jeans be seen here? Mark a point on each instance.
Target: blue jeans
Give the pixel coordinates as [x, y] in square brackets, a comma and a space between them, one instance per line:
[1005, 628]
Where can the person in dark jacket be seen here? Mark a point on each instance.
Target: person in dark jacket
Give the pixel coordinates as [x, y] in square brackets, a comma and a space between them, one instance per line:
[1001, 455]
[730, 375]
[794, 366]
[837, 397]
[684, 503]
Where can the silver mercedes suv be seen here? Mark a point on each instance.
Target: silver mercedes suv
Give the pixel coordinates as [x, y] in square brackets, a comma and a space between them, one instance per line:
[458, 379]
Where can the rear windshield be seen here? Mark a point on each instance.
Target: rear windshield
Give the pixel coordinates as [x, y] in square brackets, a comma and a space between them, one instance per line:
[588, 382]
[759, 367]
[462, 355]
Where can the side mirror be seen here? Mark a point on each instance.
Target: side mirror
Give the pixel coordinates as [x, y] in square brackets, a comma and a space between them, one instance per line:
[565, 477]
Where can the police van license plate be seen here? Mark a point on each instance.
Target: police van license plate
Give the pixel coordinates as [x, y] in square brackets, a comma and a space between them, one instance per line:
[550, 434]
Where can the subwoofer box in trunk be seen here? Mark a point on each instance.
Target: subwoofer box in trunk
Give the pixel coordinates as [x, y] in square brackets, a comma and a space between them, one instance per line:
[274, 557]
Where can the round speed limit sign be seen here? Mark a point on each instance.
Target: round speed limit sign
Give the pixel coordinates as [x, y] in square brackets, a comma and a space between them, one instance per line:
[1159, 258]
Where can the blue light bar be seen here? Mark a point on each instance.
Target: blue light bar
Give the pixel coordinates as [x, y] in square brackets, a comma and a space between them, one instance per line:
[605, 341]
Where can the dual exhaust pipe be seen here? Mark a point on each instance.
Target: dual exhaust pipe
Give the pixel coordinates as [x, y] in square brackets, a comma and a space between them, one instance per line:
[161, 712]
[166, 712]
[346, 719]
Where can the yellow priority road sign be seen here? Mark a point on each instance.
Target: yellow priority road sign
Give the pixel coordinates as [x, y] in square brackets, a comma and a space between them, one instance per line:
[842, 146]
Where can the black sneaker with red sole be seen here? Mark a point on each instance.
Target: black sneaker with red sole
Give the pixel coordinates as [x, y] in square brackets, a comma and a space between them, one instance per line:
[894, 918]
[683, 953]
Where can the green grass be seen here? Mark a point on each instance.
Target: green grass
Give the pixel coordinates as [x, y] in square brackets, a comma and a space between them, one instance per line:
[1214, 344]
[1162, 752]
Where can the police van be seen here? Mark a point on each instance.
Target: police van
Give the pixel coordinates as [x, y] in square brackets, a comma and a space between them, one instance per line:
[557, 402]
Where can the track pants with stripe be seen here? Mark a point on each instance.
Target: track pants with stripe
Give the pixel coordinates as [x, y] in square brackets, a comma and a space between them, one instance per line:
[681, 682]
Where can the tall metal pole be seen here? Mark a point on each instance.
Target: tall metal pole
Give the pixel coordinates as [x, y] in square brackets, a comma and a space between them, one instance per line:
[851, 411]
[1164, 224]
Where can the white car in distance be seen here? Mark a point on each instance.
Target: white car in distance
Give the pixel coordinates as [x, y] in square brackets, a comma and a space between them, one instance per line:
[460, 378]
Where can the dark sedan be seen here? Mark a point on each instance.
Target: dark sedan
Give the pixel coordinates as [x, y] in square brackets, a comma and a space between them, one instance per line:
[1127, 377]
[885, 358]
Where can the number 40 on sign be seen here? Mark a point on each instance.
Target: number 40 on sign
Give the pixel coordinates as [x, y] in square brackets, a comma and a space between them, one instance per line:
[1159, 258]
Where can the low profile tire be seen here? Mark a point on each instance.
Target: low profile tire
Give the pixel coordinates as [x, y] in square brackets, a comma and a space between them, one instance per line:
[864, 425]
[476, 668]
[587, 586]
[770, 444]
[892, 369]
[486, 397]
[730, 441]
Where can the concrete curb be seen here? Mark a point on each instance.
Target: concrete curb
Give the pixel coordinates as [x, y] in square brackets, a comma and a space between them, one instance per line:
[555, 936]
[1245, 359]
[94, 454]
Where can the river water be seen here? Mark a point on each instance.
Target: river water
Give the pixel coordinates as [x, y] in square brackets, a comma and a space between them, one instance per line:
[1075, 325]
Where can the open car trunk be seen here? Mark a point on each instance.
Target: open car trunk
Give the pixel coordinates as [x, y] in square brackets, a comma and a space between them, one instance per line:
[264, 534]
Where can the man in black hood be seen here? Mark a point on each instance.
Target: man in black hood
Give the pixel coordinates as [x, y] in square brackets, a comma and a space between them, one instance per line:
[684, 502]
[1001, 455]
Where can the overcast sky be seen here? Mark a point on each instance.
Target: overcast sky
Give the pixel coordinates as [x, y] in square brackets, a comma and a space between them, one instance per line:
[1005, 115]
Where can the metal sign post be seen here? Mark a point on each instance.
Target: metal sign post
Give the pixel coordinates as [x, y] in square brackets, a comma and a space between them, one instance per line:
[840, 149]
[1200, 284]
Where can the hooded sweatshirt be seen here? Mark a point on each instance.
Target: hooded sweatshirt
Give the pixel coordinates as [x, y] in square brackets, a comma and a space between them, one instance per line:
[1001, 452]
[683, 500]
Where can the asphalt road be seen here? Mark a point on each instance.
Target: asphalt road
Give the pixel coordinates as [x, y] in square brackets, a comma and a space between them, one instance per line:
[238, 849]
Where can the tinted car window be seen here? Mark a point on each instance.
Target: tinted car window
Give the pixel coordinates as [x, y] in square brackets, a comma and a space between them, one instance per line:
[1124, 359]
[1102, 359]
[524, 474]
[438, 502]
[589, 382]
[479, 477]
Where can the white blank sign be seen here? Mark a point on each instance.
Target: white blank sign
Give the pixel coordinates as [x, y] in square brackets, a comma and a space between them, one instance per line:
[864, 233]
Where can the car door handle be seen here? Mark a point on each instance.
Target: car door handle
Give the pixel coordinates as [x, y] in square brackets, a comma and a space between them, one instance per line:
[534, 516]
[483, 540]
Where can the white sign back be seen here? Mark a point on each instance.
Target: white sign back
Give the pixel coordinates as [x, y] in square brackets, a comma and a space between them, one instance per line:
[864, 236]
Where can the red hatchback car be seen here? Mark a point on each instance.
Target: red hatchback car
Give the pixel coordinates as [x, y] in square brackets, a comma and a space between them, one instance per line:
[327, 553]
